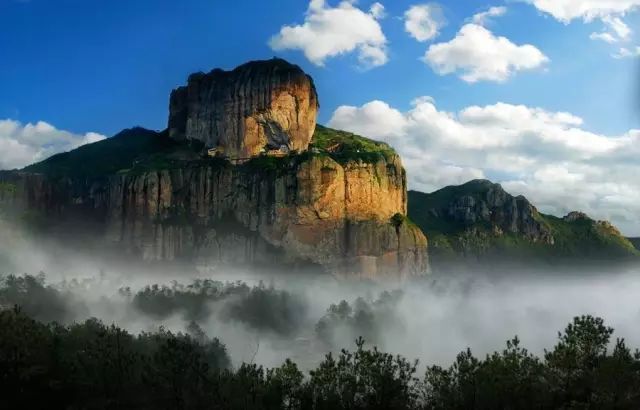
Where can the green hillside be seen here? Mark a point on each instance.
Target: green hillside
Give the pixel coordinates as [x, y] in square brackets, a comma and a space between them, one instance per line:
[344, 146]
[480, 221]
[105, 157]
[138, 150]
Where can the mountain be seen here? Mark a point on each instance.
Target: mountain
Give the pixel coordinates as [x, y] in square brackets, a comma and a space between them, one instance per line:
[635, 242]
[480, 222]
[242, 176]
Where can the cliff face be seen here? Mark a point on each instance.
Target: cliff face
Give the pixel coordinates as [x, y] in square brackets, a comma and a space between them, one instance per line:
[259, 105]
[340, 206]
[314, 210]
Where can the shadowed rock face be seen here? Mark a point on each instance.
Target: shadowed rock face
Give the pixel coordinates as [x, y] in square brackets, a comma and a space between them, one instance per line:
[259, 105]
[491, 204]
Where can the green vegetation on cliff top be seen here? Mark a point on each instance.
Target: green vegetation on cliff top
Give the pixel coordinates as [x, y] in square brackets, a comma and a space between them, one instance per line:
[344, 146]
[138, 150]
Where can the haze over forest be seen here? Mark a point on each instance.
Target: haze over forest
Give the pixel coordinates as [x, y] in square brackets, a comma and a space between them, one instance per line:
[330, 204]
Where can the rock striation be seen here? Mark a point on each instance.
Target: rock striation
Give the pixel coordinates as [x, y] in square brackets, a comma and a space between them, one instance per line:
[313, 211]
[260, 105]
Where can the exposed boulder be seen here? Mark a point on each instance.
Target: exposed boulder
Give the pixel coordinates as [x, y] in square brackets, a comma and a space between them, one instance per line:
[576, 216]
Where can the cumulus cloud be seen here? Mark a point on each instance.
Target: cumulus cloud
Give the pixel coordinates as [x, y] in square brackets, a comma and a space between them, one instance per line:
[423, 21]
[548, 156]
[587, 10]
[479, 55]
[331, 31]
[23, 144]
[610, 12]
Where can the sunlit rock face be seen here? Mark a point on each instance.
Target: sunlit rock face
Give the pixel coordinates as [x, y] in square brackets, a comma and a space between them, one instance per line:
[339, 217]
[171, 201]
[260, 105]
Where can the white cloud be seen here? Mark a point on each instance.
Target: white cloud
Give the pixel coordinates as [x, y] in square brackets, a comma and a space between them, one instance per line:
[610, 12]
[547, 156]
[477, 54]
[423, 21]
[377, 11]
[482, 18]
[617, 30]
[587, 10]
[331, 31]
[604, 36]
[624, 52]
[23, 144]
[618, 26]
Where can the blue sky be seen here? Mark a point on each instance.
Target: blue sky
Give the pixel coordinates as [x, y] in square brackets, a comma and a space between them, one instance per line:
[105, 65]
[73, 71]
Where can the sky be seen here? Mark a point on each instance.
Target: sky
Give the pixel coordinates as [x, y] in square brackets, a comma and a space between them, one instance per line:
[542, 96]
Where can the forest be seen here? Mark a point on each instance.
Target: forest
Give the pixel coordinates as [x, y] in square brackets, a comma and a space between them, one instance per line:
[47, 358]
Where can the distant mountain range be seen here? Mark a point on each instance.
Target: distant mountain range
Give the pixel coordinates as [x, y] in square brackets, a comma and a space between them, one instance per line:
[480, 222]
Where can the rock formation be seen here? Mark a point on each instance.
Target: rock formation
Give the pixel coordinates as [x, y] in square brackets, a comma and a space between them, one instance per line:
[481, 202]
[258, 106]
[342, 211]
[313, 211]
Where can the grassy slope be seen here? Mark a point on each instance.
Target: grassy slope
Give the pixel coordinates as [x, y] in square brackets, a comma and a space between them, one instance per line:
[351, 146]
[577, 239]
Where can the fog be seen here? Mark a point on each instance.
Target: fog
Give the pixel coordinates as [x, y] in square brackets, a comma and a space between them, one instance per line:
[268, 318]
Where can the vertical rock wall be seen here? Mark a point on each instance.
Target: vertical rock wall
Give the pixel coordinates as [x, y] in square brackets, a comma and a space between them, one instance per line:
[259, 105]
[315, 211]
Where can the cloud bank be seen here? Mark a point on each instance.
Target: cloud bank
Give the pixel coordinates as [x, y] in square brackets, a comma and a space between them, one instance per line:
[547, 156]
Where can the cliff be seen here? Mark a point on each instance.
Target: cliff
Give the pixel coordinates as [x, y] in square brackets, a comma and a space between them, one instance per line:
[336, 210]
[480, 222]
[340, 206]
[258, 106]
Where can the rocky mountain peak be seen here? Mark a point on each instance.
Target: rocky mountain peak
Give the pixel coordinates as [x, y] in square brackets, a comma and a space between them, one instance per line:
[482, 203]
[256, 107]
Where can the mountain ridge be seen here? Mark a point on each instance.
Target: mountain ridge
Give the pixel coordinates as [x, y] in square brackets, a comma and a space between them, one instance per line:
[480, 222]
